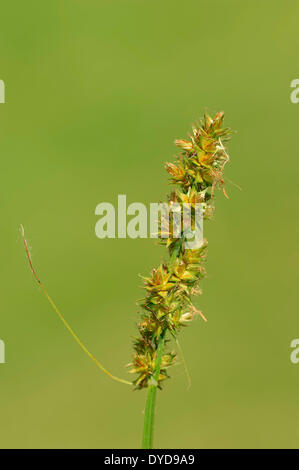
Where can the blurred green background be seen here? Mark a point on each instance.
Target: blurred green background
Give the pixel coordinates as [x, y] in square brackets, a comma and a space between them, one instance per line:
[96, 92]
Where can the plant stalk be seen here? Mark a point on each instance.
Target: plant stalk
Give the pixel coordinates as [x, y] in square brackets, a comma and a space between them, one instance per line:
[149, 414]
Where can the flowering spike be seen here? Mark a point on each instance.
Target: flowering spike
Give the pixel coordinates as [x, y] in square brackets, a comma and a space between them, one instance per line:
[167, 305]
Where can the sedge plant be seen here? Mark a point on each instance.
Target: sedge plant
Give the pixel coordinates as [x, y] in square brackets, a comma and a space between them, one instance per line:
[169, 289]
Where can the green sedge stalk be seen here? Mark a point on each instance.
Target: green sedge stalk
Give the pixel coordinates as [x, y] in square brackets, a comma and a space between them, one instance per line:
[168, 306]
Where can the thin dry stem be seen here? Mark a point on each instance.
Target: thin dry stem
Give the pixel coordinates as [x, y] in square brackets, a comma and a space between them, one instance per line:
[77, 339]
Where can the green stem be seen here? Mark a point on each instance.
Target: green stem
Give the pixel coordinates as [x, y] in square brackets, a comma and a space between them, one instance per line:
[149, 414]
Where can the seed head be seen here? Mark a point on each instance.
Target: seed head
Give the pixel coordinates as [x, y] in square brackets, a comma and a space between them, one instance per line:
[167, 305]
